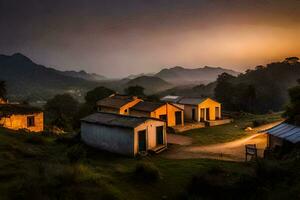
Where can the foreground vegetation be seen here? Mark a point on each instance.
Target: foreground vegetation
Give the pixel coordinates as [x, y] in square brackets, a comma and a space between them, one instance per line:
[44, 166]
[52, 167]
[232, 131]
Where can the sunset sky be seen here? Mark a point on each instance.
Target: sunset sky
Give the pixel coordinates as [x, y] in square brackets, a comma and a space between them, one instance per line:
[116, 38]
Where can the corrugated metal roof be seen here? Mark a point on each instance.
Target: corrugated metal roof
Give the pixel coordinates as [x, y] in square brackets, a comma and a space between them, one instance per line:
[115, 101]
[286, 131]
[170, 98]
[147, 106]
[111, 119]
[192, 100]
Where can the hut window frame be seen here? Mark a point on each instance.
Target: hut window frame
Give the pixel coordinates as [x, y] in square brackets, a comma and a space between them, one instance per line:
[30, 121]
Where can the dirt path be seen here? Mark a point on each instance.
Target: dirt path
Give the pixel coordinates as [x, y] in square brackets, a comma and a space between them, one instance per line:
[179, 139]
[234, 150]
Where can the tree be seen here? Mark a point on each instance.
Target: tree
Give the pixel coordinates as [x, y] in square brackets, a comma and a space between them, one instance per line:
[2, 89]
[89, 107]
[96, 94]
[61, 110]
[293, 109]
[292, 60]
[135, 91]
[224, 89]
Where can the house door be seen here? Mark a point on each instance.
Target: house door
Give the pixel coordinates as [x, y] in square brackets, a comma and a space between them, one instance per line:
[217, 113]
[202, 114]
[178, 118]
[207, 114]
[159, 135]
[142, 140]
[193, 114]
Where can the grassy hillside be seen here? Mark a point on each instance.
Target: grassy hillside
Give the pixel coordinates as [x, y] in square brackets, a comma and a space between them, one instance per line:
[60, 167]
[232, 131]
[46, 167]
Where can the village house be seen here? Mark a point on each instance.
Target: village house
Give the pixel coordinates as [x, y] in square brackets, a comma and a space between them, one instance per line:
[281, 134]
[198, 109]
[16, 117]
[3, 101]
[168, 112]
[117, 103]
[123, 134]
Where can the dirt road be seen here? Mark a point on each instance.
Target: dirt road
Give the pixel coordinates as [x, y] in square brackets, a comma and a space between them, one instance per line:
[234, 150]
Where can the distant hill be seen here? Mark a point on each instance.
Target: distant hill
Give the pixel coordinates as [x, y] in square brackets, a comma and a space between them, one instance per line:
[191, 90]
[151, 84]
[133, 76]
[84, 75]
[260, 90]
[26, 79]
[183, 76]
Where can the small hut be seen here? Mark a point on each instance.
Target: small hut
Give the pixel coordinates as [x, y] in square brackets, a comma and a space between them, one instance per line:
[116, 103]
[168, 112]
[123, 134]
[15, 117]
[281, 134]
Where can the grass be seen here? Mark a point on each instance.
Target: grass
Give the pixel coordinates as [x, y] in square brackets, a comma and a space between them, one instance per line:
[39, 167]
[229, 132]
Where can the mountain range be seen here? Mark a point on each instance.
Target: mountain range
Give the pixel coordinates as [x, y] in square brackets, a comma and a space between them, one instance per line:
[183, 76]
[24, 78]
[84, 75]
[28, 80]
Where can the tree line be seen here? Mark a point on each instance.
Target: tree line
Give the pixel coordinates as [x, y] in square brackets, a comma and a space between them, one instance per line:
[260, 90]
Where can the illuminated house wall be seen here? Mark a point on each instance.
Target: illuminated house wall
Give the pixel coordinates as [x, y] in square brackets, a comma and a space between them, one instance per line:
[16, 122]
[197, 109]
[18, 117]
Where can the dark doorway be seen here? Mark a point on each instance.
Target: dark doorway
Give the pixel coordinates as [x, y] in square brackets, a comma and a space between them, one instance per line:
[217, 113]
[207, 114]
[159, 135]
[202, 114]
[142, 140]
[178, 117]
[193, 114]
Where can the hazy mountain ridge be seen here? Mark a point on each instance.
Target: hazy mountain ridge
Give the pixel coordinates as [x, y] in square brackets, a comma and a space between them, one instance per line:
[24, 78]
[84, 75]
[182, 76]
[151, 84]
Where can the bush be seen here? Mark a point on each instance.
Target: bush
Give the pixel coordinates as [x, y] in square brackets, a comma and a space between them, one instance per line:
[76, 153]
[68, 139]
[147, 172]
[259, 122]
[206, 184]
[34, 139]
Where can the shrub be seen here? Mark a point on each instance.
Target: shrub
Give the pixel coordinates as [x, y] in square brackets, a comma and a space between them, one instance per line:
[147, 172]
[33, 139]
[76, 153]
[68, 139]
[259, 122]
[206, 185]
